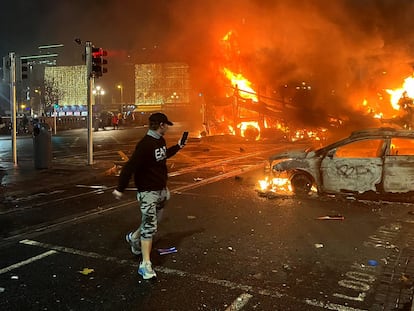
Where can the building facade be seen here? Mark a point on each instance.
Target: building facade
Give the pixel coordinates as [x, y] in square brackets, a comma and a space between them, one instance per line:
[160, 86]
[71, 84]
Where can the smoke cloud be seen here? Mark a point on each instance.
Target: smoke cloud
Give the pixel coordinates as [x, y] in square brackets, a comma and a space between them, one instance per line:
[344, 49]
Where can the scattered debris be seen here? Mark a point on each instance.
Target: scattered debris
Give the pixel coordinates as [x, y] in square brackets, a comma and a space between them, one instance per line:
[331, 217]
[86, 271]
[165, 251]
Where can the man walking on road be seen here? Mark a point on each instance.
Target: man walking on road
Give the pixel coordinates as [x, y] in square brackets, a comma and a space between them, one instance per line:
[148, 164]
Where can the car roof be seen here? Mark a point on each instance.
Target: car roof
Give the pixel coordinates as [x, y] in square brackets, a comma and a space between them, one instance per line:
[383, 132]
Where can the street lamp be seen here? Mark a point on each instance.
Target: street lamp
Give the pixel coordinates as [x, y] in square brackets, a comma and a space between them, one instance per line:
[98, 92]
[121, 90]
[40, 108]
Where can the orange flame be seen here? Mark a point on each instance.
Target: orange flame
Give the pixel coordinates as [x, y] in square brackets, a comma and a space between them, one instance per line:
[406, 90]
[245, 125]
[275, 185]
[242, 84]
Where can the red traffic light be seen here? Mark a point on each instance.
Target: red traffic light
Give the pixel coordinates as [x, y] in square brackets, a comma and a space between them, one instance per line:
[98, 60]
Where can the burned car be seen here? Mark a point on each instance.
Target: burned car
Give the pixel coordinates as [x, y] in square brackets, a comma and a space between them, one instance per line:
[379, 161]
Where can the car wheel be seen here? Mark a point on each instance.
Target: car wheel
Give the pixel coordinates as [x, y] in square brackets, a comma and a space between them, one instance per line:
[301, 184]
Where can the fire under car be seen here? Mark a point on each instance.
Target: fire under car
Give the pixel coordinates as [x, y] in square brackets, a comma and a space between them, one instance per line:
[376, 161]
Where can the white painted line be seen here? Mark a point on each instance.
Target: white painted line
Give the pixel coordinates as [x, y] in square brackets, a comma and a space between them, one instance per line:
[331, 306]
[240, 302]
[92, 187]
[27, 261]
[202, 278]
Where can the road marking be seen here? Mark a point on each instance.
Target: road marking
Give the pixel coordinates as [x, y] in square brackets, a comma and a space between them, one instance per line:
[331, 306]
[216, 178]
[202, 278]
[240, 302]
[27, 261]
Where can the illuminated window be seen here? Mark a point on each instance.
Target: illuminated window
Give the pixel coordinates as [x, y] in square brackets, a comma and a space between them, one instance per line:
[370, 148]
[402, 147]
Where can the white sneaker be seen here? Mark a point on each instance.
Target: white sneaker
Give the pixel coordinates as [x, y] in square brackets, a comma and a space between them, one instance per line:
[135, 247]
[146, 271]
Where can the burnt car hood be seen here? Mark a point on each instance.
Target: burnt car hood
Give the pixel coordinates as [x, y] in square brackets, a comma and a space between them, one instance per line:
[292, 154]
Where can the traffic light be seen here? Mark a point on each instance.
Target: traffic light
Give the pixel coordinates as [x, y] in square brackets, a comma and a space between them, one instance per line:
[24, 68]
[98, 62]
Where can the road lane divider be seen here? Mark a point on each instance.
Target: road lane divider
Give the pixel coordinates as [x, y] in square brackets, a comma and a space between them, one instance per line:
[240, 302]
[27, 261]
[248, 289]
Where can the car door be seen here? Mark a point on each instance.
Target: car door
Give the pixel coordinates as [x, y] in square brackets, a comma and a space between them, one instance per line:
[399, 166]
[353, 167]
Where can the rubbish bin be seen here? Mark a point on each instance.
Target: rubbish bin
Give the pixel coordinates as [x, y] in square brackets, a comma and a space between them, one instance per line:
[42, 145]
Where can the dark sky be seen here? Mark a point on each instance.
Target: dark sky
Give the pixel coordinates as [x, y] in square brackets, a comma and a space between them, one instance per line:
[332, 42]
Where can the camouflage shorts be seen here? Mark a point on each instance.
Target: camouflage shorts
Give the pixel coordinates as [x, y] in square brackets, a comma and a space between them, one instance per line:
[151, 204]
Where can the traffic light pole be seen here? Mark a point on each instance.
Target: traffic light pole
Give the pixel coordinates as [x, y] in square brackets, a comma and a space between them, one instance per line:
[90, 99]
[12, 57]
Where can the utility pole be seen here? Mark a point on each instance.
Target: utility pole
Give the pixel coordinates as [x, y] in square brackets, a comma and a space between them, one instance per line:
[95, 62]
[90, 99]
[13, 115]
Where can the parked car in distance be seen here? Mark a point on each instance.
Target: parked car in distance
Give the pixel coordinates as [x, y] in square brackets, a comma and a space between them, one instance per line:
[379, 161]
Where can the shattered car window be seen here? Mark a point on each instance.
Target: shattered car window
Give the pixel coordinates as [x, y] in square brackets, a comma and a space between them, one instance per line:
[370, 148]
[402, 147]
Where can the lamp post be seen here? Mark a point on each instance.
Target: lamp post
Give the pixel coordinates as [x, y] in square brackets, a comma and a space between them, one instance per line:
[98, 92]
[121, 90]
[39, 92]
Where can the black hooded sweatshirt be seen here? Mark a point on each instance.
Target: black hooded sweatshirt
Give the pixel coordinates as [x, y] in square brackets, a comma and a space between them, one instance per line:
[148, 164]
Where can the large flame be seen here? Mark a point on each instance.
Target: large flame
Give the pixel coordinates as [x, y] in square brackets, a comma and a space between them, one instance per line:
[407, 90]
[241, 84]
[249, 129]
[398, 99]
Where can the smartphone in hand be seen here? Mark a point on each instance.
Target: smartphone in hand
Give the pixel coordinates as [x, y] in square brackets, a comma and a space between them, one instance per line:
[184, 138]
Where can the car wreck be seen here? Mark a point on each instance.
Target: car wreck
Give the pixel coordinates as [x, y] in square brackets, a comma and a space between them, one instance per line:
[379, 161]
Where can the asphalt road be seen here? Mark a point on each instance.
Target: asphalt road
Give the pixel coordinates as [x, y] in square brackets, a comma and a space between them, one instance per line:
[64, 248]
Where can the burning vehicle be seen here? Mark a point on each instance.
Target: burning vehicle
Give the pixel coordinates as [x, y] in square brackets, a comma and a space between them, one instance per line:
[378, 161]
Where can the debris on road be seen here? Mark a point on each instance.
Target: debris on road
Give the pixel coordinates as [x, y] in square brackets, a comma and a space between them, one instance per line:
[165, 251]
[331, 217]
[86, 271]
